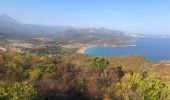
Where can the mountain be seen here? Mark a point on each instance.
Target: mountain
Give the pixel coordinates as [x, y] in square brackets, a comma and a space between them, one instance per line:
[12, 33]
[8, 25]
[5, 20]
[11, 26]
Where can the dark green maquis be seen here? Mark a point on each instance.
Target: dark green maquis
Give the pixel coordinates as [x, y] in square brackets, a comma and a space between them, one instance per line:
[98, 62]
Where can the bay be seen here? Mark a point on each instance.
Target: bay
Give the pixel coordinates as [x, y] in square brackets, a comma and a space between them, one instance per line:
[153, 48]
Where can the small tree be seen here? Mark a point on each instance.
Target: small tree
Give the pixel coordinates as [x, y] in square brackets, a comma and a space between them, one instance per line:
[98, 62]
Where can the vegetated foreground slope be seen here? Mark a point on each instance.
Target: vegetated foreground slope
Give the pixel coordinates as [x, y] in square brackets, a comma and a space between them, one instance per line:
[80, 77]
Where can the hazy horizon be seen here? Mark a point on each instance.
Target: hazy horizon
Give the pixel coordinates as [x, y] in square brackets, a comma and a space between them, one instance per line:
[132, 16]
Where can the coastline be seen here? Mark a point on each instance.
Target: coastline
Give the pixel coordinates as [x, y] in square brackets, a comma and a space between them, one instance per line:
[129, 45]
[82, 49]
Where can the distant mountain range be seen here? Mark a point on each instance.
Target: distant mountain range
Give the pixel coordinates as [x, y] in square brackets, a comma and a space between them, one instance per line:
[12, 34]
[11, 26]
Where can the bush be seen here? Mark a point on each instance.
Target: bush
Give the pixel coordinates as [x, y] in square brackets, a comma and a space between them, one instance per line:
[138, 86]
[41, 71]
[154, 89]
[98, 62]
[17, 91]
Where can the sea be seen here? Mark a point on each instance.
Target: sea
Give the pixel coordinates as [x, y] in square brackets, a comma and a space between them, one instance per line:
[153, 48]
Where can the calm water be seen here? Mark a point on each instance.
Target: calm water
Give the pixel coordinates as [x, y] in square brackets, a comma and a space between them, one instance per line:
[152, 48]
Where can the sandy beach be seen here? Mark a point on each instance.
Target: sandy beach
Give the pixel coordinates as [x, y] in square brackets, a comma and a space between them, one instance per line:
[82, 49]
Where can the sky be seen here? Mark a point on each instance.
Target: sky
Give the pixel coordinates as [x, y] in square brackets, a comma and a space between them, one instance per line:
[132, 16]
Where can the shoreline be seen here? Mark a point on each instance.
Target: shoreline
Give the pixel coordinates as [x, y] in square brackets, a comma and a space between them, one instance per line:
[82, 49]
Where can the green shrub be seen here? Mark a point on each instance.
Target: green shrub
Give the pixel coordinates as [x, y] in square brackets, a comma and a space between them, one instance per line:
[137, 86]
[98, 62]
[41, 71]
[17, 91]
[154, 89]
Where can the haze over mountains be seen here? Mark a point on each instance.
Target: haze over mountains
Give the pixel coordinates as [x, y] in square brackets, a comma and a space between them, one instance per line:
[19, 35]
[10, 25]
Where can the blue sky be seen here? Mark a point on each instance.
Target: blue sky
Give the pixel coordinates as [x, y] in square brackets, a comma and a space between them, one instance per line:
[136, 16]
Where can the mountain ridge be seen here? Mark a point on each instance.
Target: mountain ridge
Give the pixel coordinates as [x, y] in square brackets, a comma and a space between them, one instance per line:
[11, 26]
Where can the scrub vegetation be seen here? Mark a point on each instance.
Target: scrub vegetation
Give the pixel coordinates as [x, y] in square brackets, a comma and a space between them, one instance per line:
[30, 76]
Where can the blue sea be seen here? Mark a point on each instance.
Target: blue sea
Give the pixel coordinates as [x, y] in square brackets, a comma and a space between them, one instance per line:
[153, 48]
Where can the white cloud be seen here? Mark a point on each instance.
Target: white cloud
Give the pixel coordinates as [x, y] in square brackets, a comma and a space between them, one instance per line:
[73, 24]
